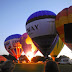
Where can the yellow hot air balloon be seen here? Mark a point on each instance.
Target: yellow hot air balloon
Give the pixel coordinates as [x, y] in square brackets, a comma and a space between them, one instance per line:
[58, 47]
[64, 26]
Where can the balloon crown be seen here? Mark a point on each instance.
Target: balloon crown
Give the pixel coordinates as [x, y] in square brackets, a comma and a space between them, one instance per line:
[40, 15]
[12, 37]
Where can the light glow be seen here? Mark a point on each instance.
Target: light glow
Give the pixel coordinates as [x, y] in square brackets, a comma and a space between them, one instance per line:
[66, 51]
[29, 41]
[30, 55]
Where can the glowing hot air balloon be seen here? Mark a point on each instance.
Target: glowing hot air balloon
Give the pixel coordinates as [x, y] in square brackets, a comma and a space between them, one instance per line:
[28, 46]
[58, 47]
[13, 46]
[64, 26]
[40, 26]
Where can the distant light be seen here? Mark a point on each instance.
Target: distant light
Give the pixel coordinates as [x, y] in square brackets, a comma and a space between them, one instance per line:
[23, 53]
[30, 55]
[39, 54]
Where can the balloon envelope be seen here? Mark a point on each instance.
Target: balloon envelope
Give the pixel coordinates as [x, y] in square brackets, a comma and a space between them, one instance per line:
[13, 46]
[27, 44]
[64, 26]
[58, 47]
[40, 26]
[2, 58]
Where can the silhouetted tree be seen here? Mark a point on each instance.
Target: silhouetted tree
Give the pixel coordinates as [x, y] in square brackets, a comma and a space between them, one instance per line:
[9, 57]
[34, 59]
[38, 58]
[6, 56]
[62, 56]
[23, 57]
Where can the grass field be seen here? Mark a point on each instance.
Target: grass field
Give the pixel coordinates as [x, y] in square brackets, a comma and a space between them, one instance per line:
[65, 68]
[34, 67]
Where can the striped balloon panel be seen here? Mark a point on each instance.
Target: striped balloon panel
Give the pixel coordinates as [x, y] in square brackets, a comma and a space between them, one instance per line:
[10, 53]
[58, 47]
[21, 50]
[64, 25]
[15, 51]
[14, 36]
[40, 15]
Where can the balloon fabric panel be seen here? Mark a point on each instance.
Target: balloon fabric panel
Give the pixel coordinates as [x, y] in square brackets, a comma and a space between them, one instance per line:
[58, 47]
[64, 26]
[12, 37]
[27, 44]
[40, 15]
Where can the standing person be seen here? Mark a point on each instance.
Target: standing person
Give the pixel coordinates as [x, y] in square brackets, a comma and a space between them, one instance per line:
[51, 66]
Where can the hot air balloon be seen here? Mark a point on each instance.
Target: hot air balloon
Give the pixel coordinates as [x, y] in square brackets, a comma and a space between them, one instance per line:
[2, 58]
[40, 26]
[58, 47]
[13, 46]
[28, 46]
[64, 26]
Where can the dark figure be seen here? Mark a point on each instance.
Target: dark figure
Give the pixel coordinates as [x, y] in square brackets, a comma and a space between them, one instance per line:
[8, 66]
[51, 66]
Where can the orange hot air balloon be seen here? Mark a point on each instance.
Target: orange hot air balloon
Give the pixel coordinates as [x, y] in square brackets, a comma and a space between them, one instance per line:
[2, 58]
[64, 26]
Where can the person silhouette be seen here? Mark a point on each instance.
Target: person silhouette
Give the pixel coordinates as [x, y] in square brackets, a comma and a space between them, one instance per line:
[51, 66]
[8, 66]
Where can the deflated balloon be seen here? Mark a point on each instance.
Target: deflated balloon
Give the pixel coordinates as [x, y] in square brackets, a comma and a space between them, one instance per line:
[40, 26]
[58, 47]
[64, 26]
[13, 46]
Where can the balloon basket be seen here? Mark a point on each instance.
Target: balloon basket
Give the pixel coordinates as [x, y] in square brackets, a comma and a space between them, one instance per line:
[29, 67]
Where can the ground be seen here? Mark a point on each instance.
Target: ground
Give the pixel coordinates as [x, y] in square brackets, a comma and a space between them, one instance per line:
[35, 67]
[40, 68]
